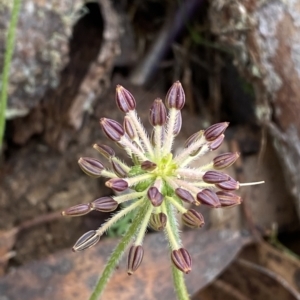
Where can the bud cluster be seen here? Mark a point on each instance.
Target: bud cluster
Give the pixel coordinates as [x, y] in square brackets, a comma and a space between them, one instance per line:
[156, 180]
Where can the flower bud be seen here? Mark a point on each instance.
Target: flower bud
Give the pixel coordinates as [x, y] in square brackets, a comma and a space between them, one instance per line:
[215, 130]
[193, 138]
[155, 197]
[214, 145]
[129, 128]
[228, 199]
[192, 219]
[91, 166]
[182, 260]
[124, 99]
[208, 197]
[178, 124]
[229, 185]
[148, 165]
[118, 169]
[175, 97]
[88, 240]
[104, 204]
[117, 184]
[215, 177]
[185, 195]
[77, 210]
[158, 221]
[112, 129]
[158, 113]
[135, 258]
[225, 160]
[104, 150]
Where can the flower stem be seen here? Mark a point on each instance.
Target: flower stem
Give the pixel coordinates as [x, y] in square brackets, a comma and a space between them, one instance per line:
[179, 284]
[10, 42]
[118, 252]
[178, 277]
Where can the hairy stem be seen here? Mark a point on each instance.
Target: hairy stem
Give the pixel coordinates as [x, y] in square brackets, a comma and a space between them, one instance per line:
[117, 253]
[10, 43]
[178, 277]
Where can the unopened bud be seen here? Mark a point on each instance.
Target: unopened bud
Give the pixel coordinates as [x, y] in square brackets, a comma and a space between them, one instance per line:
[158, 113]
[215, 177]
[208, 197]
[148, 165]
[104, 204]
[135, 258]
[124, 99]
[228, 199]
[77, 210]
[182, 260]
[214, 145]
[229, 185]
[193, 138]
[91, 166]
[104, 150]
[155, 197]
[129, 128]
[117, 184]
[178, 124]
[192, 219]
[112, 129]
[158, 221]
[118, 169]
[185, 195]
[88, 240]
[175, 97]
[215, 130]
[225, 160]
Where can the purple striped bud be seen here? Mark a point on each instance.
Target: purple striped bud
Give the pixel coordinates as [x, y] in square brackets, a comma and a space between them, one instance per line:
[229, 185]
[185, 195]
[178, 124]
[88, 240]
[158, 113]
[91, 166]
[129, 128]
[158, 221]
[135, 258]
[112, 129]
[148, 165]
[228, 199]
[117, 184]
[104, 150]
[175, 97]
[118, 169]
[215, 177]
[208, 197]
[105, 204]
[193, 138]
[124, 99]
[155, 197]
[225, 160]
[214, 145]
[77, 210]
[215, 130]
[192, 219]
[182, 260]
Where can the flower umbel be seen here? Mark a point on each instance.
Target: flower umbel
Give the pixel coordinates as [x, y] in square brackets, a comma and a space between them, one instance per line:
[158, 183]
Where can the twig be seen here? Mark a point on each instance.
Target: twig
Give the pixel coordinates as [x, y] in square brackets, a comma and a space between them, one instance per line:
[172, 27]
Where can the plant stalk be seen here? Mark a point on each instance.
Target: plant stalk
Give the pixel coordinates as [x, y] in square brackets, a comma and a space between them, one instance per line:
[10, 43]
[118, 252]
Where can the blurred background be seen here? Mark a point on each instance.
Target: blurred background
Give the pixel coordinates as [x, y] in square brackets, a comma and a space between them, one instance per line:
[238, 61]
